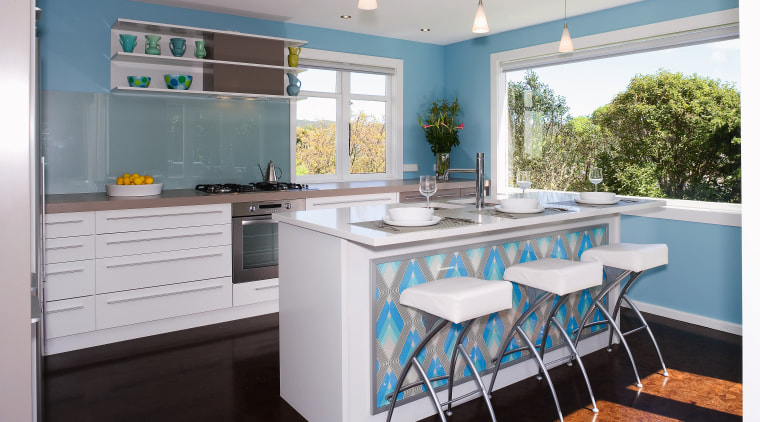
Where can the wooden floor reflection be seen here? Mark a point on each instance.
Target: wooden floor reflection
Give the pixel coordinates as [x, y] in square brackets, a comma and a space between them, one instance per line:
[230, 372]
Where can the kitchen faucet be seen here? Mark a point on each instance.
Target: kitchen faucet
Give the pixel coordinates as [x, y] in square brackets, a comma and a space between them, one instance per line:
[479, 171]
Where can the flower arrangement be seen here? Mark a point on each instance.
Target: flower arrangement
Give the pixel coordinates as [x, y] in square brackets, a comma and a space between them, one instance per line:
[440, 126]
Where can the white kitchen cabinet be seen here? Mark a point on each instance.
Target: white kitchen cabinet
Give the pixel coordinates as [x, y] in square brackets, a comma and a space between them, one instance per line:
[69, 316]
[69, 224]
[65, 280]
[255, 292]
[351, 201]
[236, 64]
[143, 305]
[150, 241]
[132, 220]
[75, 248]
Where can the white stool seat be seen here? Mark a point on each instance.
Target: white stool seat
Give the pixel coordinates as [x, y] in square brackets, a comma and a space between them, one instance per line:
[628, 256]
[459, 299]
[554, 275]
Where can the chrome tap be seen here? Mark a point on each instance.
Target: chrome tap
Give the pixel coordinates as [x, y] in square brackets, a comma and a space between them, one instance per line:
[479, 171]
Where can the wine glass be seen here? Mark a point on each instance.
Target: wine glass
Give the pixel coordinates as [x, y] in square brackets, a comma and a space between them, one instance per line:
[428, 187]
[523, 180]
[595, 176]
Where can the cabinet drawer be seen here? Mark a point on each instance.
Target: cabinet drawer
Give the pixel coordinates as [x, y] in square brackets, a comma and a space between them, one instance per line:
[161, 218]
[69, 224]
[149, 241]
[70, 316]
[156, 269]
[64, 249]
[255, 291]
[69, 279]
[351, 201]
[142, 305]
[440, 195]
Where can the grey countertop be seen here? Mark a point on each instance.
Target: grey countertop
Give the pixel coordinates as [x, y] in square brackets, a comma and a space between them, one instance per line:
[99, 201]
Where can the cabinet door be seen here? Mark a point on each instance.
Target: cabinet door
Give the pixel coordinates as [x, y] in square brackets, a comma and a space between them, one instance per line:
[255, 291]
[351, 201]
[161, 218]
[150, 241]
[156, 269]
[70, 316]
[69, 279]
[63, 249]
[69, 224]
[143, 305]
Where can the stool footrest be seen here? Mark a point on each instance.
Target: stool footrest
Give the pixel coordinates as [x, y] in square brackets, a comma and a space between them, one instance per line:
[417, 383]
[510, 352]
[591, 324]
[643, 327]
[463, 396]
[550, 365]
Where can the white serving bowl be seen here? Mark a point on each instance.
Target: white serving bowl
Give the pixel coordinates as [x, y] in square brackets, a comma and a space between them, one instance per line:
[598, 196]
[519, 203]
[403, 214]
[134, 190]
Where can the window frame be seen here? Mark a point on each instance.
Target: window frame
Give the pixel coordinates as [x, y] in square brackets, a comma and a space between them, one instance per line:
[349, 62]
[709, 27]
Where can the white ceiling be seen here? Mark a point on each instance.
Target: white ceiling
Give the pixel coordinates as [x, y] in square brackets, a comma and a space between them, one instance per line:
[403, 19]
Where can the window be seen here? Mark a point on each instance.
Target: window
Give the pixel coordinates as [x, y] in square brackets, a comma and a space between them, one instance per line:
[347, 124]
[661, 118]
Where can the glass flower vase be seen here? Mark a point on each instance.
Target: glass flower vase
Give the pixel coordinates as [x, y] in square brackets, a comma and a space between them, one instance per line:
[442, 163]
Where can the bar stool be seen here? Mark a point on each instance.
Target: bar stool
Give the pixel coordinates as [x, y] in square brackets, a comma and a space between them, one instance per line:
[557, 278]
[453, 300]
[631, 259]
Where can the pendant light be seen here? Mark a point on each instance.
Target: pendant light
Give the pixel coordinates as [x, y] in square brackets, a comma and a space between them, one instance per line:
[566, 44]
[480, 25]
[368, 4]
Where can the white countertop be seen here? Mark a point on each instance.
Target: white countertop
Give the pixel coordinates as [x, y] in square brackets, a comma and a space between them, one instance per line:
[341, 222]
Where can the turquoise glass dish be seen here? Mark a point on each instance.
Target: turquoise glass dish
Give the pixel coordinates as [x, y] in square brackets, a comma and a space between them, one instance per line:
[181, 82]
[139, 81]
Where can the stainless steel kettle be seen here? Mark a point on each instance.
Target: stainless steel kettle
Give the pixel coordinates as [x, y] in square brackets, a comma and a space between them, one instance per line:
[271, 174]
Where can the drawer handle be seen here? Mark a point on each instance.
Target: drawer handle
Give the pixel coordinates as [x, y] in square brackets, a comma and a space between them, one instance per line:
[414, 197]
[177, 214]
[183, 236]
[50, 223]
[471, 194]
[319, 204]
[161, 261]
[80, 270]
[267, 287]
[181, 292]
[447, 195]
[54, 248]
[72, 308]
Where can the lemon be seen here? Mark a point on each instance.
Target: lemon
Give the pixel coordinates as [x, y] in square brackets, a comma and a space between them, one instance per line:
[125, 176]
[139, 180]
[148, 180]
[119, 180]
[136, 175]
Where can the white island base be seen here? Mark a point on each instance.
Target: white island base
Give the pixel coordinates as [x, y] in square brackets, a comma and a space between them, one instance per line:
[340, 275]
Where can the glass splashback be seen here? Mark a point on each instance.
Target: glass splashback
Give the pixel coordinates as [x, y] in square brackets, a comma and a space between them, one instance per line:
[90, 139]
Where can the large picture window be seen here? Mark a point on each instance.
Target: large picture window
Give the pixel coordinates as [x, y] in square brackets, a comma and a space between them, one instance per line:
[345, 123]
[663, 121]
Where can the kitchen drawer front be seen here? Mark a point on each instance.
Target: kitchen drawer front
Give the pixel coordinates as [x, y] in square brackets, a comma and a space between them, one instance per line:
[69, 279]
[69, 224]
[440, 195]
[150, 241]
[156, 269]
[70, 316]
[255, 292]
[351, 201]
[63, 249]
[142, 305]
[161, 218]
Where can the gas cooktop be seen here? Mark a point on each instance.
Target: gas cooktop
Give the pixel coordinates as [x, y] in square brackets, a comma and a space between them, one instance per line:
[251, 187]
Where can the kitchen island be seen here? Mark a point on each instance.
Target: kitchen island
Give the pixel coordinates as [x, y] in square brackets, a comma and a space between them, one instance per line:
[343, 334]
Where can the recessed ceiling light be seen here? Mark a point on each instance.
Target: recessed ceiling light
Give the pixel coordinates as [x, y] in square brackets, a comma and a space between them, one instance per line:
[425, 29]
[345, 16]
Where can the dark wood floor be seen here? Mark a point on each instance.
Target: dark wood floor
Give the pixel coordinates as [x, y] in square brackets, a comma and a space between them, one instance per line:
[230, 372]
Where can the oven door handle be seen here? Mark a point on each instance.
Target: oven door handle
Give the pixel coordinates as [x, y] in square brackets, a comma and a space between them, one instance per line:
[256, 219]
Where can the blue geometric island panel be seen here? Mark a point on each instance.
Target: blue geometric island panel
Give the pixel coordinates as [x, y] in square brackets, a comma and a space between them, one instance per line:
[398, 329]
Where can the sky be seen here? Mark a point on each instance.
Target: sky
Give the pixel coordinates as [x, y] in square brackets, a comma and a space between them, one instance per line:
[719, 60]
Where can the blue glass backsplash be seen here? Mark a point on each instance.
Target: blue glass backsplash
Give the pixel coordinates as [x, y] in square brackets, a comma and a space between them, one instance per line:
[89, 139]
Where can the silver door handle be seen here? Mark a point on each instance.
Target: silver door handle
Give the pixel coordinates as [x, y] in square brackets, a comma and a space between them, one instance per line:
[161, 261]
[177, 214]
[319, 204]
[64, 222]
[65, 247]
[79, 270]
[267, 287]
[148, 239]
[72, 308]
[181, 292]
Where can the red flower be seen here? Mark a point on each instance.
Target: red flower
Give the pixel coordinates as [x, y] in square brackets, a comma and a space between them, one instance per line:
[443, 124]
[426, 126]
[461, 126]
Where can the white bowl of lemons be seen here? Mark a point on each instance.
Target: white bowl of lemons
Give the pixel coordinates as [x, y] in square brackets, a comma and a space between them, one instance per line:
[134, 184]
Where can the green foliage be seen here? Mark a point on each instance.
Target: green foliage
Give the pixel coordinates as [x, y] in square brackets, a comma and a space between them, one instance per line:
[666, 135]
[440, 126]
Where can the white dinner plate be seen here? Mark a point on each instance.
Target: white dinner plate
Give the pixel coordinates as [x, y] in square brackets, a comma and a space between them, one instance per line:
[436, 219]
[591, 202]
[519, 211]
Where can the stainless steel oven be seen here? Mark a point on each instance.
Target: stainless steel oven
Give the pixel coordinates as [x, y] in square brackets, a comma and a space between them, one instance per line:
[254, 238]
